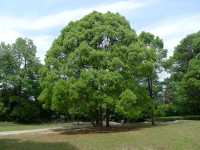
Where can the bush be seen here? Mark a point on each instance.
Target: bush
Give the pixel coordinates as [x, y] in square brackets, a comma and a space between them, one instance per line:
[25, 111]
[3, 112]
[192, 117]
[163, 110]
[173, 118]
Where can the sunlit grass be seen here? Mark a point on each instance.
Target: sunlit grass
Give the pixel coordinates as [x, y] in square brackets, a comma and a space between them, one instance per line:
[183, 135]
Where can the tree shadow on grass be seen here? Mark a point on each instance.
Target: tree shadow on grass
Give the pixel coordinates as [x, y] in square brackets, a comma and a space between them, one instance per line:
[113, 129]
[15, 144]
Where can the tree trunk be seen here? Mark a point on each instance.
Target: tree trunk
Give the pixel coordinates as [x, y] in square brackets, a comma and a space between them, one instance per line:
[97, 118]
[107, 118]
[152, 115]
[100, 116]
[150, 89]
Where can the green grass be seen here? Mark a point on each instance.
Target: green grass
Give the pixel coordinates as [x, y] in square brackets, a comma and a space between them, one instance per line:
[183, 135]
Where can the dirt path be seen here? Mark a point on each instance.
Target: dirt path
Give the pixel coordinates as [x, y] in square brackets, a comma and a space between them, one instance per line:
[44, 130]
[60, 129]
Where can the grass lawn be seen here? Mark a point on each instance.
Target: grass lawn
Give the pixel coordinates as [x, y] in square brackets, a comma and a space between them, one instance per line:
[183, 135]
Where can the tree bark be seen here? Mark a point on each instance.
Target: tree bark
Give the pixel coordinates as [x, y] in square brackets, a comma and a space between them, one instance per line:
[100, 116]
[107, 118]
[150, 89]
[97, 118]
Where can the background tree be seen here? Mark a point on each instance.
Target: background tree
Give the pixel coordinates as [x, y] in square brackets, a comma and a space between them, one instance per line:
[7, 71]
[19, 81]
[153, 45]
[183, 66]
[190, 88]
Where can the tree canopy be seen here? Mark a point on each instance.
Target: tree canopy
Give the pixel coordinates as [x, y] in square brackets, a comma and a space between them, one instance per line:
[97, 67]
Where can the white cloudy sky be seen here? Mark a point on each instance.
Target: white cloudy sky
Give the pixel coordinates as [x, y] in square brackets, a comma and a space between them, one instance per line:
[42, 20]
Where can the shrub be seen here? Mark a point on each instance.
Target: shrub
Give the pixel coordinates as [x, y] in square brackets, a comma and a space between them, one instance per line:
[25, 111]
[173, 118]
[163, 110]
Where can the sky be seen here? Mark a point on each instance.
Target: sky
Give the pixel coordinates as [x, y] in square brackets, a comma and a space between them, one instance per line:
[42, 20]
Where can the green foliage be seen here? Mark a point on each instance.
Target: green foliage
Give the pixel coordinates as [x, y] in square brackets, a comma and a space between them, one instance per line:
[25, 111]
[164, 110]
[127, 104]
[93, 65]
[153, 66]
[184, 67]
[190, 87]
[19, 81]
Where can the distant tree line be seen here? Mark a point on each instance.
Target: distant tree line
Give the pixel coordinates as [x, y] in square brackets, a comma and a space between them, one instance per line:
[98, 69]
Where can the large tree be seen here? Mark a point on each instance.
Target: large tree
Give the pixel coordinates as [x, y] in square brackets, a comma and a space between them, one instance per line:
[96, 67]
